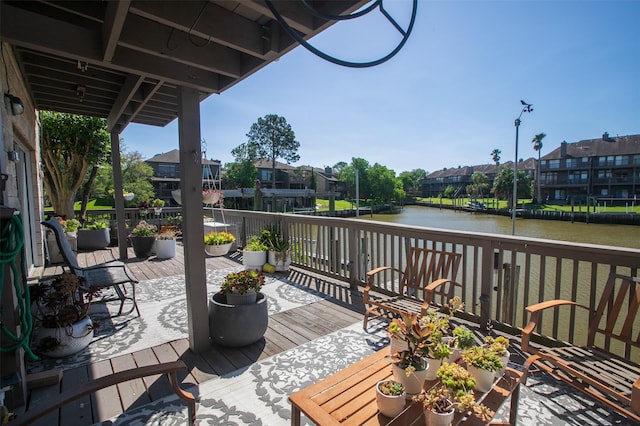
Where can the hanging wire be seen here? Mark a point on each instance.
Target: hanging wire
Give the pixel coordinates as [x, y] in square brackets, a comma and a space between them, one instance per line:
[377, 4]
[195, 22]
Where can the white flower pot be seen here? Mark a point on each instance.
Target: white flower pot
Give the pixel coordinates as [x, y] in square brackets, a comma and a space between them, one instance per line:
[438, 419]
[71, 339]
[165, 249]
[484, 378]
[280, 259]
[389, 405]
[505, 361]
[413, 383]
[217, 249]
[254, 259]
[434, 366]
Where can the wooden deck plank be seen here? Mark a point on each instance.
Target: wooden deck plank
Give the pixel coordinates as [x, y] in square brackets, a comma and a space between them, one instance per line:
[133, 393]
[158, 386]
[198, 366]
[105, 403]
[39, 398]
[77, 412]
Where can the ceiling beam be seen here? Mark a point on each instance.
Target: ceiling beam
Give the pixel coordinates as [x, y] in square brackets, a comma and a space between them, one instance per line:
[115, 16]
[129, 88]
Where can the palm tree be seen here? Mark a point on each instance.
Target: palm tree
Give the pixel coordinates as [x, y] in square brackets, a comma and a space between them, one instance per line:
[537, 145]
[495, 155]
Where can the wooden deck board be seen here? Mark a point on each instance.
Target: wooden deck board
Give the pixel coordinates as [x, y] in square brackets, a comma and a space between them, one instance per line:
[284, 332]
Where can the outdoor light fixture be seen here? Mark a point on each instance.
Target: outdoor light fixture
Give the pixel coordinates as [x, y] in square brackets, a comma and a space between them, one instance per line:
[14, 104]
[525, 108]
[80, 91]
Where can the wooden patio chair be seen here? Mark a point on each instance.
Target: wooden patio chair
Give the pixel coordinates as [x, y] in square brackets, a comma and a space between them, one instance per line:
[114, 274]
[593, 369]
[425, 275]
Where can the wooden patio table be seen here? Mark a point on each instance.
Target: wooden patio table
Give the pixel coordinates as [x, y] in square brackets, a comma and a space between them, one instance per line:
[348, 397]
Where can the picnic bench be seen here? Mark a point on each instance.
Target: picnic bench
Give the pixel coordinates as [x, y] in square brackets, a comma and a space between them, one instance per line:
[426, 274]
[593, 368]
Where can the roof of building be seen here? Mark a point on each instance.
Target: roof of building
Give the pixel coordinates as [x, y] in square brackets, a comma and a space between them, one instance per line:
[266, 164]
[487, 169]
[173, 156]
[606, 145]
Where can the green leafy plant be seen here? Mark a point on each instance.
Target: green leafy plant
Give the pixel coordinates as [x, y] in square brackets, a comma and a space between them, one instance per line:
[243, 281]
[97, 224]
[143, 229]
[462, 338]
[71, 225]
[217, 238]
[158, 203]
[418, 335]
[391, 388]
[440, 351]
[272, 237]
[499, 344]
[482, 357]
[255, 244]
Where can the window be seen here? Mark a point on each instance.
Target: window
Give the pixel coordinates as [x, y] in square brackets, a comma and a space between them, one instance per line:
[554, 164]
[571, 163]
[621, 160]
[549, 178]
[167, 170]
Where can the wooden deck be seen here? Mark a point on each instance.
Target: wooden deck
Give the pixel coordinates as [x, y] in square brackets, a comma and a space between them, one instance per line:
[286, 330]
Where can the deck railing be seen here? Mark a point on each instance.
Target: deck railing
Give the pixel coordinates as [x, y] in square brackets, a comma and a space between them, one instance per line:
[499, 275]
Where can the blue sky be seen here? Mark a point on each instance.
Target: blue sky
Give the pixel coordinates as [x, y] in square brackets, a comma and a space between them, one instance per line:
[450, 96]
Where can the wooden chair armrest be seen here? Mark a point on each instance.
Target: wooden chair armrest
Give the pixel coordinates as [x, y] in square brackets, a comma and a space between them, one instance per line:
[372, 273]
[536, 311]
[635, 397]
[378, 270]
[430, 292]
[170, 368]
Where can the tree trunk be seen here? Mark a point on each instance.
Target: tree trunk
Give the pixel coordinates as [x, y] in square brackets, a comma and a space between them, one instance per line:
[86, 191]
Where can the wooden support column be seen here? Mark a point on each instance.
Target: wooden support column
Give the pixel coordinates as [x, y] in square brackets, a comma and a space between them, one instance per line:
[118, 194]
[192, 218]
[486, 287]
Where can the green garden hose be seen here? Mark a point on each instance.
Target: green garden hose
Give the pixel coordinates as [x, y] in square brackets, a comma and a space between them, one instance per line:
[11, 243]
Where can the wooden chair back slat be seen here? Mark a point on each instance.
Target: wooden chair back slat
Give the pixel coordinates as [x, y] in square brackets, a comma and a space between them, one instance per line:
[425, 266]
[617, 313]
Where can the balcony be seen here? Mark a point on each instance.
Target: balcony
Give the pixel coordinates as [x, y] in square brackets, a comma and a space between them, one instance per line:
[499, 276]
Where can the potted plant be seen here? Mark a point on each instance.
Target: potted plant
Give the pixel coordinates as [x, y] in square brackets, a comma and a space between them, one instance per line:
[242, 320]
[144, 207]
[94, 235]
[461, 338]
[71, 227]
[279, 249]
[128, 196]
[254, 254]
[166, 243]
[454, 392]
[390, 397]
[142, 238]
[482, 363]
[64, 327]
[218, 243]
[500, 346]
[410, 365]
[157, 205]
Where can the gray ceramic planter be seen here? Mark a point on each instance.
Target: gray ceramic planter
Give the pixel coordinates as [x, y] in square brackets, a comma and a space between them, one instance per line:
[237, 325]
[92, 239]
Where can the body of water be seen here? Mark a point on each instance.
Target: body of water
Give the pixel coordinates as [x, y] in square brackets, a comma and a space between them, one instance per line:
[610, 235]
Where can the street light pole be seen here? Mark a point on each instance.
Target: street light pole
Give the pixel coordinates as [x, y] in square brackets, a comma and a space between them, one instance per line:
[526, 108]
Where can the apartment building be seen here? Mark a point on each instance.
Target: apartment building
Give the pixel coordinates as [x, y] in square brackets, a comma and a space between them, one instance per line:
[606, 169]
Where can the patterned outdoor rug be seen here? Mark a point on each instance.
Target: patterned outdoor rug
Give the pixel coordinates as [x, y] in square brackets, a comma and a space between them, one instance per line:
[162, 303]
[257, 395]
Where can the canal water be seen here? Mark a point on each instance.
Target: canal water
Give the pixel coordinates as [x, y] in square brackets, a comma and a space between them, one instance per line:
[610, 235]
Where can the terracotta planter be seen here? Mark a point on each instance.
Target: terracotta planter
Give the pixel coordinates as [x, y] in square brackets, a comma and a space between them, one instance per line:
[71, 339]
[142, 246]
[217, 249]
[237, 325]
[390, 405]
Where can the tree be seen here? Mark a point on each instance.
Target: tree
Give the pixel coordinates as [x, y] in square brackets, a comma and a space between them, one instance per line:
[537, 145]
[479, 185]
[339, 166]
[503, 184]
[70, 145]
[241, 174]
[383, 183]
[412, 180]
[348, 176]
[136, 178]
[495, 156]
[449, 191]
[272, 137]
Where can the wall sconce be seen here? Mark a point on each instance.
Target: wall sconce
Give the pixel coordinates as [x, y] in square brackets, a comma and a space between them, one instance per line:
[80, 91]
[14, 104]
